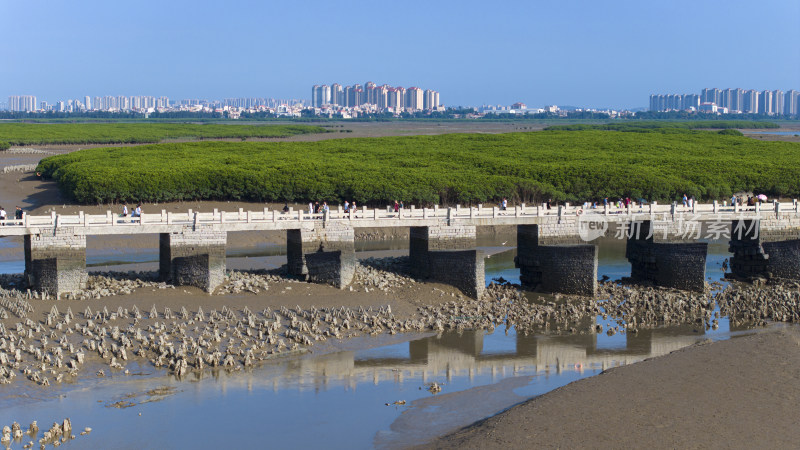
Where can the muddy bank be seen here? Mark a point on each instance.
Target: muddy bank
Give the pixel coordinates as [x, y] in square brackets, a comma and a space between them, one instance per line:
[727, 394]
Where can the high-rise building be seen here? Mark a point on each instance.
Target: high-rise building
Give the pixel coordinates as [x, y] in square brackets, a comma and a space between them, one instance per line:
[724, 98]
[395, 99]
[320, 95]
[370, 93]
[337, 94]
[790, 100]
[690, 102]
[657, 102]
[383, 97]
[380, 97]
[737, 98]
[750, 101]
[765, 103]
[353, 96]
[731, 99]
[710, 95]
[415, 98]
[430, 99]
[777, 101]
[25, 103]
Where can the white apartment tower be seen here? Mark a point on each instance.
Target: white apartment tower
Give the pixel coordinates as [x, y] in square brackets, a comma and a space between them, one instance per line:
[790, 100]
[25, 103]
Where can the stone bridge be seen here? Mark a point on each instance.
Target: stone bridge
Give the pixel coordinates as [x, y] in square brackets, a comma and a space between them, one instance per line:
[554, 246]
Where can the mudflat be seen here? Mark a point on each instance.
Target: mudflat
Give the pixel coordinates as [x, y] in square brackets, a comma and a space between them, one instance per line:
[742, 392]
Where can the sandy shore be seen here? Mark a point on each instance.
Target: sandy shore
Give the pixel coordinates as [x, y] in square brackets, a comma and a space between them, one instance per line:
[730, 394]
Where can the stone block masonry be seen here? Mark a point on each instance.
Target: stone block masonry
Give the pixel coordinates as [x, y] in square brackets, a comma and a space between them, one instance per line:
[671, 264]
[316, 237]
[423, 240]
[447, 254]
[193, 258]
[563, 268]
[784, 259]
[55, 262]
[463, 269]
[336, 268]
[761, 250]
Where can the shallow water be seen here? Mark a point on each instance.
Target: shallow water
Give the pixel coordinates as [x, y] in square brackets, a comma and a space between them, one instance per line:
[779, 133]
[338, 399]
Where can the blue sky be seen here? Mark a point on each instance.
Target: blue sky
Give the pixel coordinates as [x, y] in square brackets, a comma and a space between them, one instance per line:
[584, 53]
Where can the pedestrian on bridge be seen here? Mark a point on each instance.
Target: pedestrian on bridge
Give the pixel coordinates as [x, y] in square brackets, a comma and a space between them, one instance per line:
[18, 213]
[396, 206]
[2, 216]
[124, 210]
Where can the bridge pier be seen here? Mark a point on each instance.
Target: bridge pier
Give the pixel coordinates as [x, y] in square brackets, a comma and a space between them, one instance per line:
[678, 265]
[193, 258]
[763, 253]
[322, 253]
[55, 262]
[564, 266]
[447, 254]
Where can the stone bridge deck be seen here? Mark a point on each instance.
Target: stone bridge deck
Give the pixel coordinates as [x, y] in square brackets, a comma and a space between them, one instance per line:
[560, 221]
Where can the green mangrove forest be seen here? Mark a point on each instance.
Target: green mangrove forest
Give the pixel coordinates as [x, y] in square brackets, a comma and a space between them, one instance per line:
[562, 165]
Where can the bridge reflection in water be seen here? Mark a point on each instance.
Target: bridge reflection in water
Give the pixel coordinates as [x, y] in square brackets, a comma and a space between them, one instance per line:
[472, 354]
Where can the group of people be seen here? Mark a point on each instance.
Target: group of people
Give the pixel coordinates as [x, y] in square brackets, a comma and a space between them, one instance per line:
[18, 215]
[316, 208]
[137, 212]
[749, 201]
[347, 207]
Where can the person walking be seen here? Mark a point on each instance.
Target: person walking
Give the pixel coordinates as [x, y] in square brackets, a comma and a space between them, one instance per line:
[504, 204]
[124, 210]
[396, 206]
[18, 213]
[2, 216]
[346, 206]
[138, 211]
[685, 200]
[310, 208]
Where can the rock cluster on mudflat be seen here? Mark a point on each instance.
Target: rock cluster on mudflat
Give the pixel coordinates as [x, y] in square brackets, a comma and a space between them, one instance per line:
[50, 346]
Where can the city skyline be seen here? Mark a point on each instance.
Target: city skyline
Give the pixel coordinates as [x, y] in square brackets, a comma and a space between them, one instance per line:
[382, 97]
[540, 53]
[730, 101]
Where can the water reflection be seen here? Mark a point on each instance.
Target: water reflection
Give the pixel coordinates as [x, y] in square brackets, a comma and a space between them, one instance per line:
[338, 399]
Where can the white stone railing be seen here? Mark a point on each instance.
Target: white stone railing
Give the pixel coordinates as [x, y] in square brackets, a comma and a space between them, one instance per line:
[386, 216]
